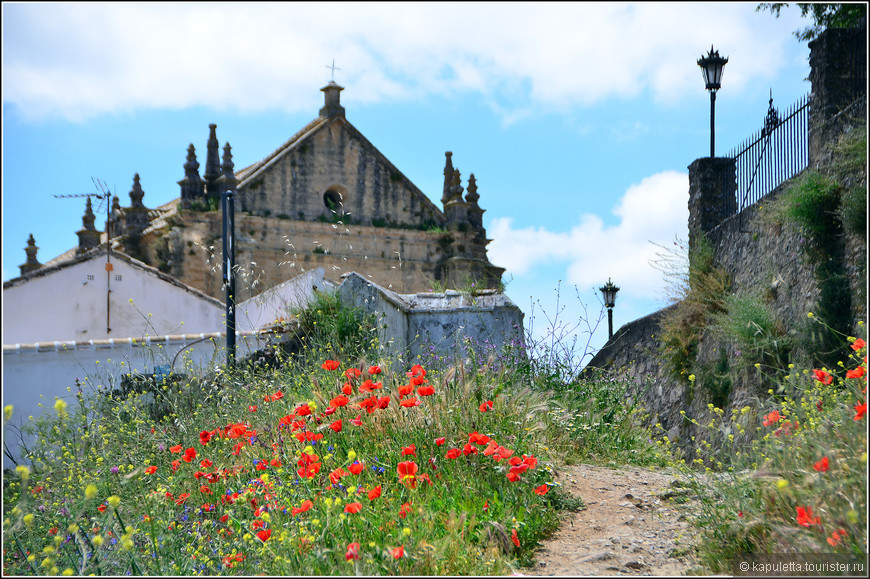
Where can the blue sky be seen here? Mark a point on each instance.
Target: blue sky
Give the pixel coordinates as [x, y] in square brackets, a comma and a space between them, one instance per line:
[577, 119]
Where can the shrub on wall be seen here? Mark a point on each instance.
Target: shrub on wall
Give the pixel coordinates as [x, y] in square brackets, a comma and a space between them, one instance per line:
[698, 296]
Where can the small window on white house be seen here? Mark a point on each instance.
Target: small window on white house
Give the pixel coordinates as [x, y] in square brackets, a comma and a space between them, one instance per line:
[90, 277]
[118, 277]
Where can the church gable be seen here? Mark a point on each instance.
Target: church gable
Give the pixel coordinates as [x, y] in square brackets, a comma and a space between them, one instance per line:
[332, 172]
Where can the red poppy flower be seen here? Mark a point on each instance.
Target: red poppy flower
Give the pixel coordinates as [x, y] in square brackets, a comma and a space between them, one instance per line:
[860, 411]
[411, 449]
[503, 452]
[440, 441]
[330, 410]
[856, 373]
[515, 460]
[151, 470]
[383, 402]
[514, 538]
[206, 463]
[417, 381]
[306, 506]
[823, 376]
[453, 453]
[336, 475]
[542, 490]
[512, 476]
[264, 534]
[336, 426]
[352, 552]
[410, 402]
[189, 454]
[822, 465]
[252, 408]
[477, 438]
[339, 401]
[407, 473]
[303, 410]
[405, 389]
[858, 344]
[175, 464]
[369, 386]
[375, 493]
[486, 406]
[357, 421]
[205, 490]
[374, 370]
[468, 449]
[771, 418]
[403, 512]
[330, 365]
[355, 468]
[275, 462]
[204, 437]
[805, 517]
[102, 508]
[179, 500]
[416, 370]
[531, 461]
[398, 552]
[352, 508]
[425, 391]
[353, 373]
[176, 448]
[485, 506]
[347, 389]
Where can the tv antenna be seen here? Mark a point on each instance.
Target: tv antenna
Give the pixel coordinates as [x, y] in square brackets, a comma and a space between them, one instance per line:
[103, 196]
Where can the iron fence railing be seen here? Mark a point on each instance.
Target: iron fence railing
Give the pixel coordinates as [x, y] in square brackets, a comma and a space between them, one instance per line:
[776, 153]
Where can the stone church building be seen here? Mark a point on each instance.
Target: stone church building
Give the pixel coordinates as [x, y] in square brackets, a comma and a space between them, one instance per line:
[326, 198]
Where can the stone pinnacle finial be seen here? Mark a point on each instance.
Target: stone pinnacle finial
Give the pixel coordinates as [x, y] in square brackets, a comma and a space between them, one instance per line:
[89, 218]
[32, 263]
[472, 196]
[212, 159]
[136, 193]
[448, 177]
[191, 165]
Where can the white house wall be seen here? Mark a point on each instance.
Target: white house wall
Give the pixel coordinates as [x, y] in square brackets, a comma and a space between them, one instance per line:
[69, 305]
[37, 373]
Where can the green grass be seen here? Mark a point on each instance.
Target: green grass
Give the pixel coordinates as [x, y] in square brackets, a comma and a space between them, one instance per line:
[806, 449]
[122, 482]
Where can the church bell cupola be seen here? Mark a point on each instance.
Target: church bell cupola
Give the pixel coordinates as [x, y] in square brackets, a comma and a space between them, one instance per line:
[332, 106]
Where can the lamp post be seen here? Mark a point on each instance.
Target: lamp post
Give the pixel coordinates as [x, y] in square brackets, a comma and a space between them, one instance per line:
[609, 290]
[712, 66]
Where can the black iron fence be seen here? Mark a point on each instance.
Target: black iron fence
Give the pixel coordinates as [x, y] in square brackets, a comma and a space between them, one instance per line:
[776, 153]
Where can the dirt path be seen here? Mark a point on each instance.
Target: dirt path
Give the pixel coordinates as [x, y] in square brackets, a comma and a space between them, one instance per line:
[632, 525]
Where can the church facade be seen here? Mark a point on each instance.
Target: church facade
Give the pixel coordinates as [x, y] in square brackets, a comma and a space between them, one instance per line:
[326, 198]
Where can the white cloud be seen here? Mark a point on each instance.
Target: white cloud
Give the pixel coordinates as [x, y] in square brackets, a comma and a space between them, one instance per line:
[77, 60]
[653, 211]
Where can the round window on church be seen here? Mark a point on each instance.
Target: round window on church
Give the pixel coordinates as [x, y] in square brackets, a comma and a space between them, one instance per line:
[333, 200]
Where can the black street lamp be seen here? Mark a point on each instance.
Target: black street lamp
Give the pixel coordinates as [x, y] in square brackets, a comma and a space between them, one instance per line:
[609, 290]
[712, 65]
